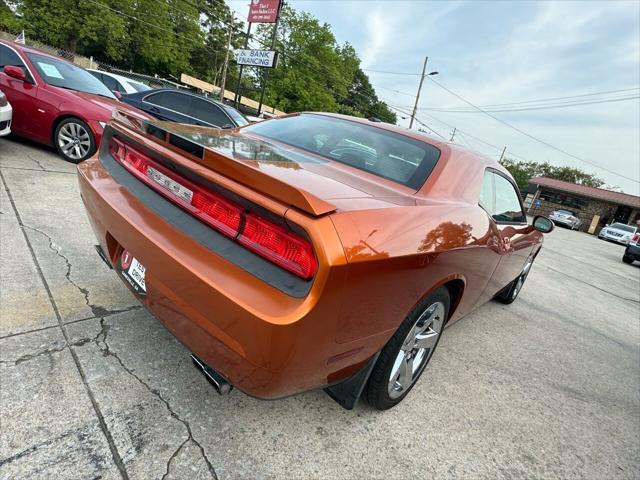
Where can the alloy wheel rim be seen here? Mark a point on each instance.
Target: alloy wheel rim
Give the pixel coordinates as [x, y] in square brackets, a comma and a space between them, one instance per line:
[521, 279]
[74, 140]
[416, 349]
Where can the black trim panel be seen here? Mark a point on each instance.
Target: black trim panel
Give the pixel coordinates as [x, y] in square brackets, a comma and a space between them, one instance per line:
[219, 244]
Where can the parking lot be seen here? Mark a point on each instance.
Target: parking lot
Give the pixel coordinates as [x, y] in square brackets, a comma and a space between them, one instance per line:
[92, 386]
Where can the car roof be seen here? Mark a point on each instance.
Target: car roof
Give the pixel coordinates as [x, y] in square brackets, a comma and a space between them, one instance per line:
[115, 75]
[25, 49]
[185, 92]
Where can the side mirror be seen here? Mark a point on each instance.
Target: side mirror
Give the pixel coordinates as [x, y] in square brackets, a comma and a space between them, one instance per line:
[15, 72]
[117, 94]
[542, 224]
[607, 225]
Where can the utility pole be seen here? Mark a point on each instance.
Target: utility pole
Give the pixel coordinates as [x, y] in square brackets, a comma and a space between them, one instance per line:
[502, 154]
[226, 63]
[415, 107]
[453, 134]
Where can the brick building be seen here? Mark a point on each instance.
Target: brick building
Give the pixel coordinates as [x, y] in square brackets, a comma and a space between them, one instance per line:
[594, 206]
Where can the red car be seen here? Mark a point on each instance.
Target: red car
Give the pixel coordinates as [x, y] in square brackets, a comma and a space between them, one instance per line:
[55, 102]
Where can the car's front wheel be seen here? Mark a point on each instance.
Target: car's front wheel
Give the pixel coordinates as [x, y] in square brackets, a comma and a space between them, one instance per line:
[74, 140]
[407, 353]
[510, 292]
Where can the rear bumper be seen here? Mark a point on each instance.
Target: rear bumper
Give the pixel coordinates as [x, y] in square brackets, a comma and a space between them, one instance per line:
[265, 342]
[632, 251]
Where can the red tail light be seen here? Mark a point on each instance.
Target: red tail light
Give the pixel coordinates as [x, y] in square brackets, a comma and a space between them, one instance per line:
[276, 244]
[635, 238]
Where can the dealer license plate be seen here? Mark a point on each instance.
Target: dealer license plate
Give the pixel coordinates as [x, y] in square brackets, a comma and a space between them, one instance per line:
[133, 272]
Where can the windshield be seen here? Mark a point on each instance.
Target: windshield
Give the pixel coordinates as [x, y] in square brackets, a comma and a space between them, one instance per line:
[623, 227]
[374, 150]
[236, 116]
[66, 75]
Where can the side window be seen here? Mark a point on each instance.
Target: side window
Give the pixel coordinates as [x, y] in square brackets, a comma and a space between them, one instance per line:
[208, 112]
[486, 193]
[9, 57]
[110, 82]
[173, 101]
[507, 202]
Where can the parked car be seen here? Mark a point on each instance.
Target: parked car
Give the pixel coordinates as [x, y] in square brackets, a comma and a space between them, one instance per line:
[310, 250]
[618, 232]
[6, 113]
[56, 102]
[119, 83]
[566, 218]
[185, 107]
[632, 252]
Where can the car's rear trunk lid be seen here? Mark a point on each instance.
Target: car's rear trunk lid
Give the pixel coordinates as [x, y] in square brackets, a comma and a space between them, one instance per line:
[292, 176]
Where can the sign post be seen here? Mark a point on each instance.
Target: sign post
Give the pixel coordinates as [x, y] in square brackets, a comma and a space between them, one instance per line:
[260, 11]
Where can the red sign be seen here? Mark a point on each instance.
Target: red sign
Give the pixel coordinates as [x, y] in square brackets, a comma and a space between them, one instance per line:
[263, 11]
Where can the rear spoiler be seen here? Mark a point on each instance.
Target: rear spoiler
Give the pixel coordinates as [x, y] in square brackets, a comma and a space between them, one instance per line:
[215, 160]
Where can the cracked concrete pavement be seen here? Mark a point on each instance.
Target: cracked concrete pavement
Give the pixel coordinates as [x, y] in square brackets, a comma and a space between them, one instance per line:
[92, 386]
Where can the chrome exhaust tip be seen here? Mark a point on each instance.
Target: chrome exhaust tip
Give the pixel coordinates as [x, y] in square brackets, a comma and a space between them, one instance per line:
[222, 386]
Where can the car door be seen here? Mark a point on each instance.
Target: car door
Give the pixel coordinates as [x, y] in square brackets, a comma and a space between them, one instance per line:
[209, 114]
[23, 96]
[515, 235]
[169, 105]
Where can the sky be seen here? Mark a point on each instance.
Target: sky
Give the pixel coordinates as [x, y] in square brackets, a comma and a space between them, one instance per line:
[497, 52]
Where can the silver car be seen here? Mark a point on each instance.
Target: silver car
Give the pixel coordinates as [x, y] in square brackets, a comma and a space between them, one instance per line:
[566, 218]
[618, 232]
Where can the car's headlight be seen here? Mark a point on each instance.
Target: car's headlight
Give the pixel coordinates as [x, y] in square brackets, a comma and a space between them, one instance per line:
[103, 124]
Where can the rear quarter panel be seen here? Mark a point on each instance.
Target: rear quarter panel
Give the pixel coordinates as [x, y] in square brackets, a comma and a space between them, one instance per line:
[397, 256]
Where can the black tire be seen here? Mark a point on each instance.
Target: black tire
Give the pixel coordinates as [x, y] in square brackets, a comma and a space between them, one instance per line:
[627, 259]
[376, 392]
[74, 140]
[509, 293]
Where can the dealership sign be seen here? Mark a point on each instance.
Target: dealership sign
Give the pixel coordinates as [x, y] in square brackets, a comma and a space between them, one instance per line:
[256, 58]
[263, 11]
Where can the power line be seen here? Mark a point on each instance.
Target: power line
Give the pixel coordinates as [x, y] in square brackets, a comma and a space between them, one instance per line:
[543, 142]
[552, 99]
[538, 107]
[418, 120]
[391, 73]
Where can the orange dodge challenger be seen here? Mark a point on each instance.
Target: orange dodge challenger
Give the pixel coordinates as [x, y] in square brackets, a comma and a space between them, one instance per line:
[312, 250]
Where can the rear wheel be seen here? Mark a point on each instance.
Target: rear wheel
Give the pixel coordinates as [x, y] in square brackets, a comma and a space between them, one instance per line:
[511, 291]
[407, 353]
[627, 259]
[74, 140]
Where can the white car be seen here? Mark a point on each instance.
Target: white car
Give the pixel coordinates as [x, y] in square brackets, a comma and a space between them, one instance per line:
[618, 232]
[118, 83]
[6, 113]
[566, 218]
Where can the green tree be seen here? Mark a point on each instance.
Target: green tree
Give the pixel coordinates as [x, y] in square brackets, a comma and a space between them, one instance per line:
[9, 21]
[522, 172]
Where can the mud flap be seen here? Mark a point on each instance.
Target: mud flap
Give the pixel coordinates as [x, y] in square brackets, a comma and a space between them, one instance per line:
[347, 393]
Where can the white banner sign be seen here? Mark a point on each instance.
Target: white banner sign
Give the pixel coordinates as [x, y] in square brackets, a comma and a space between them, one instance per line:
[256, 58]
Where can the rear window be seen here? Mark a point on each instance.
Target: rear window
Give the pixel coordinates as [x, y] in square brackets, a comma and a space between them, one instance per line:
[374, 150]
[623, 227]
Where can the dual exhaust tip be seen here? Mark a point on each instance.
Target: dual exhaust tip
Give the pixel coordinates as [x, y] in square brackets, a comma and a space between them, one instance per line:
[222, 386]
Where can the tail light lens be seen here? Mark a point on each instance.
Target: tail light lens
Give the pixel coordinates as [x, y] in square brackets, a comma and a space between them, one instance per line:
[270, 241]
[635, 238]
[283, 248]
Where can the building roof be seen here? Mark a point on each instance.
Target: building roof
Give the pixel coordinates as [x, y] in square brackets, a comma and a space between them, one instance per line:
[589, 192]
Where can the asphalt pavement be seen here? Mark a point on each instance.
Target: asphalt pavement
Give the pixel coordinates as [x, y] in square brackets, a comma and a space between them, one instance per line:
[92, 386]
